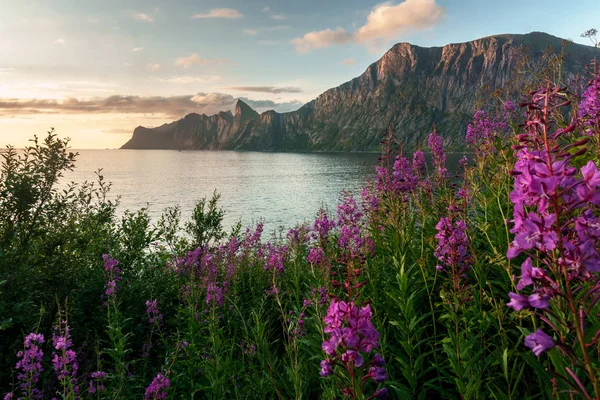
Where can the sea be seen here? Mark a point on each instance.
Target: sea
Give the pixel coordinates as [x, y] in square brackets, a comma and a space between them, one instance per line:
[281, 190]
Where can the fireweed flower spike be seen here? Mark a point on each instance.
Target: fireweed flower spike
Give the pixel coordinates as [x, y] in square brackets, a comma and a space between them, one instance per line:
[439, 157]
[29, 367]
[351, 337]
[482, 132]
[158, 388]
[112, 275]
[555, 223]
[154, 316]
[589, 107]
[96, 383]
[64, 360]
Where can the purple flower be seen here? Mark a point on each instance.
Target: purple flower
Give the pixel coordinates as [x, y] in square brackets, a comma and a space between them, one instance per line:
[529, 273]
[30, 365]
[316, 256]
[439, 157]
[403, 179]
[96, 384]
[419, 165]
[322, 225]
[518, 301]
[378, 360]
[539, 342]
[539, 300]
[381, 393]
[112, 275]
[371, 201]
[352, 241]
[353, 357]
[378, 374]
[252, 239]
[64, 359]
[158, 388]
[350, 332]
[589, 108]
[275, 258]
[482, 132]
[154, 316]
[214, 294]
[452, 246]
[326, 368]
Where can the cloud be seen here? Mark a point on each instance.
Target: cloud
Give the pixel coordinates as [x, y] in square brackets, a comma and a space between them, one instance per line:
[136, 49]
[143, 17]
[349, 61]
[278, 17]
[322, 39]
[60, 41]
[186, 80]
[173, 107]
[385, 22]
[195, 59]
[266, 9]
[267, 89]
[229, 13]
[6, 70]
[251, 32]
[153, 67]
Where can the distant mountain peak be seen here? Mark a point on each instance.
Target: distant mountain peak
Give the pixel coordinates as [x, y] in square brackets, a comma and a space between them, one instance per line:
[409, 89]
[244, 112]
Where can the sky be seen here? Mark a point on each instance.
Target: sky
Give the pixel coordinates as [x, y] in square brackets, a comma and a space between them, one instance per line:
[96, 69]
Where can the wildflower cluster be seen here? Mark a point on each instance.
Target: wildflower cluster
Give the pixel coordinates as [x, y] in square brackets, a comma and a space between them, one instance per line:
[439, 157]
[589, 108]
[452, 250]
[157, 390]
[112, 275]
[555, 224]
[29, 367]
[154, 315]
[482, 133]
[64, 360]
[351, 237]
[322, 226]
[210, 270]
[96, 382]
[351, 337]
[404, 177]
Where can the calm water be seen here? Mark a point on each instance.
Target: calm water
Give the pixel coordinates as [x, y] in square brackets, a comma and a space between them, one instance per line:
[281, 189]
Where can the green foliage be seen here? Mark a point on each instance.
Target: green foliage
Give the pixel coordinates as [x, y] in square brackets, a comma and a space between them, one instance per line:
[206, 225]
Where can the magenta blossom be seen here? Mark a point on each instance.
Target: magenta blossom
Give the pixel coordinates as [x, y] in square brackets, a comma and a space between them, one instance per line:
[539, 342]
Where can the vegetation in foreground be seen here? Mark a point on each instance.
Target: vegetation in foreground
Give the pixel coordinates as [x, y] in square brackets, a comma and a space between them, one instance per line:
[479, 285]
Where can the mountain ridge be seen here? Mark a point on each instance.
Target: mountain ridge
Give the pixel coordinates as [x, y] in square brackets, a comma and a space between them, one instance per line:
[410, 89]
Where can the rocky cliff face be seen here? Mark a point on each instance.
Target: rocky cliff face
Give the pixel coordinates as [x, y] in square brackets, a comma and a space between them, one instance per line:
[410, 88]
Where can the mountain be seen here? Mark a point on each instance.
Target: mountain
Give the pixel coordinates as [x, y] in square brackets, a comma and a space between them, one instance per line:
[409, 89]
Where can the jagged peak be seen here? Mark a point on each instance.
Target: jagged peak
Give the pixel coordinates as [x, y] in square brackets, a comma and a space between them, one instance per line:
[244, 111]
[534, 38]
[226, 115]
